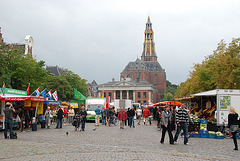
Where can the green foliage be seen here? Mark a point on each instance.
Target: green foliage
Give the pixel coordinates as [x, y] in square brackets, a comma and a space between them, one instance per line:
[17, 70]
[221, 69]
[168, 97]
[170, 91]
[62, 86]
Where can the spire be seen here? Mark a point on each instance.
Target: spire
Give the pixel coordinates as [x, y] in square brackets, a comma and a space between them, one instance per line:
[149, 53]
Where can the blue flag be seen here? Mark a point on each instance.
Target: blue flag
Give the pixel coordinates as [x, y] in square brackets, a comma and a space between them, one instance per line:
[49, 94]
[44, 93]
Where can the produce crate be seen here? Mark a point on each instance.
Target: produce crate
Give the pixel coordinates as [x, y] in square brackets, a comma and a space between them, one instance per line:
[212, 136]
[237, 136]
[204, 135]
[219, 137]
[201, 132]
[195, 135]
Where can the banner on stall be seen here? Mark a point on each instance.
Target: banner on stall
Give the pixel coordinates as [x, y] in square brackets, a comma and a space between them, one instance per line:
[40, 108]
[27, 103]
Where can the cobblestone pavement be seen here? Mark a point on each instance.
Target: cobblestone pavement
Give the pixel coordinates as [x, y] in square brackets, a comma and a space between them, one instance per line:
[110, 143]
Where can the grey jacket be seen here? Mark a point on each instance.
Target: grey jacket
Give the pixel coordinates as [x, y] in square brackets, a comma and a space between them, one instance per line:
[166, 117]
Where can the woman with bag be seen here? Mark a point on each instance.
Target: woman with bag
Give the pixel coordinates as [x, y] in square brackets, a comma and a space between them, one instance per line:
[233, 125]
[166, 122]
[47, 116]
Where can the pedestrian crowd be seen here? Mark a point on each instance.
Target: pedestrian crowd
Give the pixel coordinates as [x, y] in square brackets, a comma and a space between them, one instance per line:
[167, 119]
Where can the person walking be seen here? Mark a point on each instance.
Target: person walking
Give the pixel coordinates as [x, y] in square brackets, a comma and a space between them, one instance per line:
[128, 116]
[60, 114]
[233, 125]
[131, 118]
[54, 112]
[122, 116]
[8, 111]
[97, 117]
[166, 122]
[65, 115]
[21, 116]
[139, 114]
[47, 117]
[83, 114]
[146, 114]
[182, 119]
[71, 113]
[104, 115]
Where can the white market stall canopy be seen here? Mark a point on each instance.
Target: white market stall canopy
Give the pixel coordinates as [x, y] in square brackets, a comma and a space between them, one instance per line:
[218, 92]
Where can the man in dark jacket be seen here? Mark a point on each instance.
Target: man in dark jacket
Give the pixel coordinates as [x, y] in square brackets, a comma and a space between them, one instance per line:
[131, 117]
[83, 114]
[60, 114]
[8, 120]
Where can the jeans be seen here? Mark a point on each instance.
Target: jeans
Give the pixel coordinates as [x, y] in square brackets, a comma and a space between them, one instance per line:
[8, 125]
[131, 121]
[83, 125]
[183, 125]
[70, 119]
[103, 120]
[59, 121]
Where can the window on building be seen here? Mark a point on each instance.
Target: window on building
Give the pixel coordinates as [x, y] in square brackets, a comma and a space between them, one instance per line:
[110, 95]
[104, 94]
[144, 94]
[140, 76]
[136, 76]
[139, 94]
[139, 102]
[145, 102]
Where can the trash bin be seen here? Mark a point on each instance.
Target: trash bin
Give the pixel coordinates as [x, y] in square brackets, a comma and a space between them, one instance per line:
[34, 127]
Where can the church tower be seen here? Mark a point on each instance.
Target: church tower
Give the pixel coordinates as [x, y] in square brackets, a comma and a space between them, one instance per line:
[149, 53]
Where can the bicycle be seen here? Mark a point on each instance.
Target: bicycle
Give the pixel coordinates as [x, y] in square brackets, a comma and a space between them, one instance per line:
[224, 129]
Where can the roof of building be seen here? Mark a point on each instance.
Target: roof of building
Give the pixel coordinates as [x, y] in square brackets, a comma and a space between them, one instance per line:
[94, 83]
[54, 70]
[127, 83]
[151, 66]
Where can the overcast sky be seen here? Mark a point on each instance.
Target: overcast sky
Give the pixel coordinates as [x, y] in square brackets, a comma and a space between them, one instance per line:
[98, 38]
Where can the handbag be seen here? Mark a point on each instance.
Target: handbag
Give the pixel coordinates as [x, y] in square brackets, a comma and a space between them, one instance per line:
[18, 119]
[233, 128]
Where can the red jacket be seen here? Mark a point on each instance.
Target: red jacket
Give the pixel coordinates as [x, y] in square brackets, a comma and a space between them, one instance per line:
[146, 112]
[122, 115]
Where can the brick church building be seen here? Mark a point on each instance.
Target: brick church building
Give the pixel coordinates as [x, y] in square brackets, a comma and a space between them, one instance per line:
[143, 80]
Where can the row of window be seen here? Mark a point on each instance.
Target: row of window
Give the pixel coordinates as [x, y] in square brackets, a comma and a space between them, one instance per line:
[139, 95]
[144, 95]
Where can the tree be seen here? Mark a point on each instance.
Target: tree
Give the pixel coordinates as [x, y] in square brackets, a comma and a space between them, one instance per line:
[221, 69]
[62, 86]
[75, 81]
[17, 70]
[171, 89]
[168, 97]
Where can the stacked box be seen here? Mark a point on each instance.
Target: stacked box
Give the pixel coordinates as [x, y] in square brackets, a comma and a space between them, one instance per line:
[219, 137]
[203, 134]
[212, 136]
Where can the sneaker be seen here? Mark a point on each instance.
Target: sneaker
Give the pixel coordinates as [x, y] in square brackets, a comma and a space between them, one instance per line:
[185, 143]
[235, 149]
[175, 141]
[133, 126]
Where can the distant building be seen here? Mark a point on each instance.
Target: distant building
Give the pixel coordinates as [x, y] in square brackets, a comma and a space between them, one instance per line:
[1, 38]
[54, 70]
[92, 89]
[143, 80]
[26, 48]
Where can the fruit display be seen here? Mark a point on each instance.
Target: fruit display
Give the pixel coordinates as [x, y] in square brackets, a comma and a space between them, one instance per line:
[212, 132]
[219, 134]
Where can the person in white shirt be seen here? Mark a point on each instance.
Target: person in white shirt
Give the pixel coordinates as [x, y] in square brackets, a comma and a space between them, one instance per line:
[139, 114]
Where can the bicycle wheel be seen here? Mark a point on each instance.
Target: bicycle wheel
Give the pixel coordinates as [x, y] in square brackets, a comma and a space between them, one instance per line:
[116, 122]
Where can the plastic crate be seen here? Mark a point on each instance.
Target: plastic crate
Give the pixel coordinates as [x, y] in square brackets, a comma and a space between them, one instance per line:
[238, 136]
[204, 135]
[201, 132]
[212, 136]
[219, 137]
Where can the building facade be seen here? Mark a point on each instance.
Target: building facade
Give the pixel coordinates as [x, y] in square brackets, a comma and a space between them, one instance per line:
[143, 80]
[138, 91]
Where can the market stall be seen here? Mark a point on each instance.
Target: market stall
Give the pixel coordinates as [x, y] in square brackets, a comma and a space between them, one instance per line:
[210, 110]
